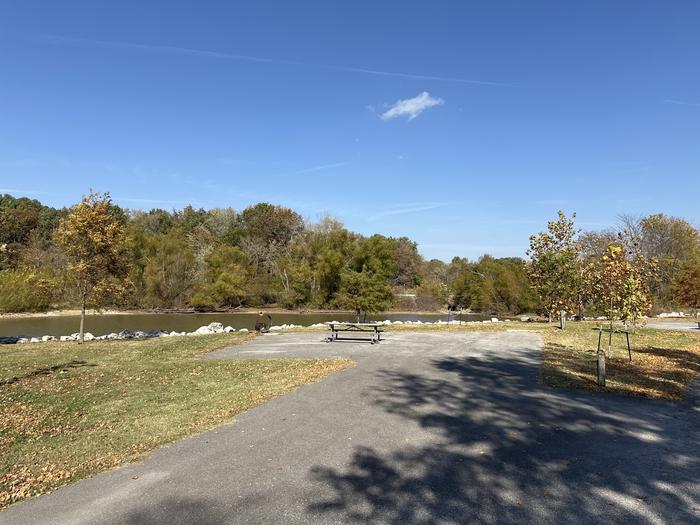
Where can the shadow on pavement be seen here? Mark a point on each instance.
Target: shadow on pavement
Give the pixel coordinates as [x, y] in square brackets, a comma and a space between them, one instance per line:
[175, 511]
[507, 450]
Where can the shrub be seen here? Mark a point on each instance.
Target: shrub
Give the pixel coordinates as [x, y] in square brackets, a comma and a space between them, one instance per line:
[27, 290]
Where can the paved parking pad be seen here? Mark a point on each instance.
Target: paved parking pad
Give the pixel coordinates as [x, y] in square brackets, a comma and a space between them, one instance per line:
[426, 428]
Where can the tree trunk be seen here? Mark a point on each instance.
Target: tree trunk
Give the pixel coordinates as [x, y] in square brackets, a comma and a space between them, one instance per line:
[562, 319]
[81, 337]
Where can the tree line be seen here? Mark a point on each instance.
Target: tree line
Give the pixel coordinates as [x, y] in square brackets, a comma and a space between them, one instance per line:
[97, 253]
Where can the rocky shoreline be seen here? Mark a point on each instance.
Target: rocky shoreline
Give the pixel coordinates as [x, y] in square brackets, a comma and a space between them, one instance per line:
[219, 328]
[211, 328]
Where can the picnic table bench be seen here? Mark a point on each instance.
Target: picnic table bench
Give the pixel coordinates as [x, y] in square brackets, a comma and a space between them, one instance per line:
[371, 332]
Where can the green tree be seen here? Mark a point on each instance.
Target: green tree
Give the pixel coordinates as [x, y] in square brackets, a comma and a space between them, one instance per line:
[375, 254]
[668, 240]
[298, 282]
[169, 269]
[555, 268]
[493, 285]
[92, 236]
[687, 283]
[271, 224]
[27, 290]
[407, 261]
[226, 279]
[620, 282]
[22, 219]
[363, 293]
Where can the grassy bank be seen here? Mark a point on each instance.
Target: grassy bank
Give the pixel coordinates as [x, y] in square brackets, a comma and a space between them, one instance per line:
[664, 362]
[69, 411]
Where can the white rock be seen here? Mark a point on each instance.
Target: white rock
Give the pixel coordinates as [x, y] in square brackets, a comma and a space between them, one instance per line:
[22, 340]
[174, 334]
[35, 340]
[229, 329]
[203, 330]
[67, 338]
[494, 319]
[243, 330]
[88, 336]
[48, 338]
[216, 328]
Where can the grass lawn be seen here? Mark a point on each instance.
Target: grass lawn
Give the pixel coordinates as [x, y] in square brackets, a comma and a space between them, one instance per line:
[664, 362]
[68, 411]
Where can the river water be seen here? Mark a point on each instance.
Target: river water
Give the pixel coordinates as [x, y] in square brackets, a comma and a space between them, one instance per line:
[100, 324]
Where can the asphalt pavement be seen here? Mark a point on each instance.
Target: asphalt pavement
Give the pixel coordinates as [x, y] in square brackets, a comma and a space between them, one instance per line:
[426, 428]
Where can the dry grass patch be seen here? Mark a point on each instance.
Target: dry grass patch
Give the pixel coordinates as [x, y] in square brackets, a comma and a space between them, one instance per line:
[70, 411]
[664, 362]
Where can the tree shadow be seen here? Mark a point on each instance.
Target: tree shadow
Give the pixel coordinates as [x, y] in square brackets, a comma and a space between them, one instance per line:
[653, 372]
[61, 367]
[504, 449]
[178, 510]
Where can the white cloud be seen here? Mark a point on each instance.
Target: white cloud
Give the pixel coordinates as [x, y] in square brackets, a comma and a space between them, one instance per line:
[412, 107]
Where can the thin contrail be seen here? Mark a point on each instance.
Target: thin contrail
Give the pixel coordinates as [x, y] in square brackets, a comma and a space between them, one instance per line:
[317, 168]
[681, 103]
[26, 192]
[248, 58]
[409, 208]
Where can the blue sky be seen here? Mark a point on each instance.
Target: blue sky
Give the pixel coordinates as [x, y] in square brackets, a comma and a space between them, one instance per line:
[464, 126]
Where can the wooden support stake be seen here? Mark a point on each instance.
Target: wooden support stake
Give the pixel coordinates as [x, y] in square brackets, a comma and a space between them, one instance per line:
[600, 366]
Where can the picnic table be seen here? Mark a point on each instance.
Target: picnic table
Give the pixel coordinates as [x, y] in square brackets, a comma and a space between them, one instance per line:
[370, 331]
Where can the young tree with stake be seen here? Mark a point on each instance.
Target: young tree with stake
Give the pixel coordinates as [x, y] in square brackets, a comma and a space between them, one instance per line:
[554, 267]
